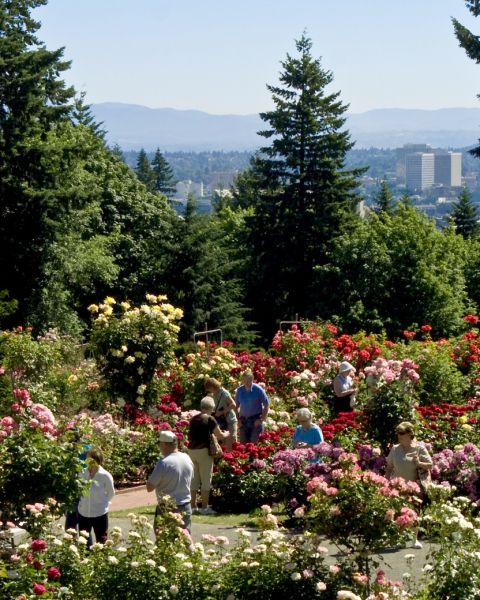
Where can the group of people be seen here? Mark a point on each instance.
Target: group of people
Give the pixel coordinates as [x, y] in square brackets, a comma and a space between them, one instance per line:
[181, 476]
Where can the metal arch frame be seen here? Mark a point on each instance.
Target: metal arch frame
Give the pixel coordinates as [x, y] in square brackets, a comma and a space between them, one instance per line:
[205, 333]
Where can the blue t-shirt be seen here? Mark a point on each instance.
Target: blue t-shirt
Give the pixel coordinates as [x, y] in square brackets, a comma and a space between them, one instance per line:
[251, 403]
[309, 436]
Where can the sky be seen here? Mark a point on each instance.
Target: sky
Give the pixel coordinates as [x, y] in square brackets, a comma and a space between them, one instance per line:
[218, 55]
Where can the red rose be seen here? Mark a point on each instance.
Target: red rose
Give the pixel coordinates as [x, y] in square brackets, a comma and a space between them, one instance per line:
[39, 545]
[39, 589]
[53, 573]
[426, 328]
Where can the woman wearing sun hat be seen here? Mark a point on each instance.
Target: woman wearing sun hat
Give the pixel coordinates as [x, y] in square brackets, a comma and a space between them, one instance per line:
[344, 388]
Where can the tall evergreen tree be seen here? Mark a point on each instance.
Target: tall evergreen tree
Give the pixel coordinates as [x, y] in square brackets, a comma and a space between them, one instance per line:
[33, 100]
[470, 43]
[163, 173]
[82, 114]
[384, 199]
[300, 192]
[465, 215]
[144, 171]
[202, 278]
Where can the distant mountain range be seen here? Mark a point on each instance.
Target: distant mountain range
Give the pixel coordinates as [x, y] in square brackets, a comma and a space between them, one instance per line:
[133, 127]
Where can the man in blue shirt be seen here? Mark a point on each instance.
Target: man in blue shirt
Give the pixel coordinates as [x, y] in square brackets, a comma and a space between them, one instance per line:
[252, 406]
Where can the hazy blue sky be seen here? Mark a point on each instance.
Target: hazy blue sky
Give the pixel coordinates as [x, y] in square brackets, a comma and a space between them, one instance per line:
[217, 55]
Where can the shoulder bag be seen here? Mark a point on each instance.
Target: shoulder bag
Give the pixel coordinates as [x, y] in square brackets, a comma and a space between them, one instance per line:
[215, 450]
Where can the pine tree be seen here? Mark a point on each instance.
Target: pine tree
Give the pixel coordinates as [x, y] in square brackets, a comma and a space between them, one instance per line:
[82, 114]
[144, 171]
[384, 199]
[33, 101]
[299, 190]
[470, 43]
[465, 216]
[163, 173]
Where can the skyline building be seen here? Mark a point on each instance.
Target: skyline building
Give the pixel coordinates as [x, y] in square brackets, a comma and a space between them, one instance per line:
[448, 169]
[419, 170]
[435, 167]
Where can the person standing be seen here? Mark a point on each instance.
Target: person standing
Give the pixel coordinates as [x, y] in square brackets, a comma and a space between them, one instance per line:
[202, 426]
[344, 389]
[408, 459]
[225, 410]
[172, 476]
[93, 505]
[252, 405]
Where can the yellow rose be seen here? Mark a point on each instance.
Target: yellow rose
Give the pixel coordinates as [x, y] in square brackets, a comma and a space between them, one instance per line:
[109, 300]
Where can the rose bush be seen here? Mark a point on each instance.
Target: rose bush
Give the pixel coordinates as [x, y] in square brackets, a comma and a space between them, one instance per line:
[134, 346]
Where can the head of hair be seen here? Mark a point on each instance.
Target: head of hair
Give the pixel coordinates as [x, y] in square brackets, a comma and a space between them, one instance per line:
[247, 374]
[96, 455]
[212, 383]
[406, 427]
[304, 413]
[207, 403]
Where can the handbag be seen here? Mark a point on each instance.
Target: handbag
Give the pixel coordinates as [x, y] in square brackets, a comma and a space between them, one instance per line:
[214, 449]
[424, 480]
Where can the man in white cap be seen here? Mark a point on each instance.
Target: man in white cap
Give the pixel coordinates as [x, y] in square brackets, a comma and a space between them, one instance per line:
[344, 389]
[172, 476]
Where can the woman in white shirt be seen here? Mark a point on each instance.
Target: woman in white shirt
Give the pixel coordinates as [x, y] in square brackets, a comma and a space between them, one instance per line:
[93, 505]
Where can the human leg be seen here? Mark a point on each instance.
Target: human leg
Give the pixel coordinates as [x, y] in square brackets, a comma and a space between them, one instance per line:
[205, 462]
[195, 485]
[86, 524]
[100, 528]
[257, 429]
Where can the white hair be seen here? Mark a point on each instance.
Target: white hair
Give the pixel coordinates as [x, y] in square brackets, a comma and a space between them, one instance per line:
[304, 413]
[207, 403]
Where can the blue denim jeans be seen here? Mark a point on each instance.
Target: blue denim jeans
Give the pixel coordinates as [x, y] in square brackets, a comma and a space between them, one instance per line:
[185, 510]
[249, 432]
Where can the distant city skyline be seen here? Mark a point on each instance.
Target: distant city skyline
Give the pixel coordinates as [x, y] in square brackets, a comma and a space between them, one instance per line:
[218, 56]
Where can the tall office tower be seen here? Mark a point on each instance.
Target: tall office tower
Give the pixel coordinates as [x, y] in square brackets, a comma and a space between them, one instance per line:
[448, 169]
[419, 170]
[402, 154]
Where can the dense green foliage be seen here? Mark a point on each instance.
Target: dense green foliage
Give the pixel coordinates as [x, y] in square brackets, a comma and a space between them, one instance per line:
[77, 223]
[299, 190]
[465, 215]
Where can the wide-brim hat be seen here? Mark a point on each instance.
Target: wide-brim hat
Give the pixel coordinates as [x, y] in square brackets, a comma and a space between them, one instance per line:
[346, 366]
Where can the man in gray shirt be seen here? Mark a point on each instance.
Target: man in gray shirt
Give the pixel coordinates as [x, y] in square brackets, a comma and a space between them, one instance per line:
[172, 476]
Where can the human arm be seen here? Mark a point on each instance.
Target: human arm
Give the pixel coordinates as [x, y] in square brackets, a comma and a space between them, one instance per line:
[339, 390]
[109, 487]
[422, 459]
[265, 405]
[219, 434]
[389, 468]
[155, 477]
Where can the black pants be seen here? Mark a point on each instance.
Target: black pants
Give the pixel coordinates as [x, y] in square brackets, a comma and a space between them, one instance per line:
[99, 525]
[342, 405]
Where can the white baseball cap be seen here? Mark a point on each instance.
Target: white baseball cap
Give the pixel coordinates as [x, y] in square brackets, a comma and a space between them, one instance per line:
[167, 436]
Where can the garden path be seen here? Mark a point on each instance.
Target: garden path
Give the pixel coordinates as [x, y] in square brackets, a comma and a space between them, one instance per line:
[392, 561]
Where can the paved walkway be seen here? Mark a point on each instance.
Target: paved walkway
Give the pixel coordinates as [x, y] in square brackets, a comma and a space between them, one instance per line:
[392, 561]
[132, 498]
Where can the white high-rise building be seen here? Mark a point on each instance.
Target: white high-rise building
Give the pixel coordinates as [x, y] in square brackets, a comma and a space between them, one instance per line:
[448, 169]
[419, 170]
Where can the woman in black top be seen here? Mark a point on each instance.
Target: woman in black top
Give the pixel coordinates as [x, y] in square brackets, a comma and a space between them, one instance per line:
[201, 427]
